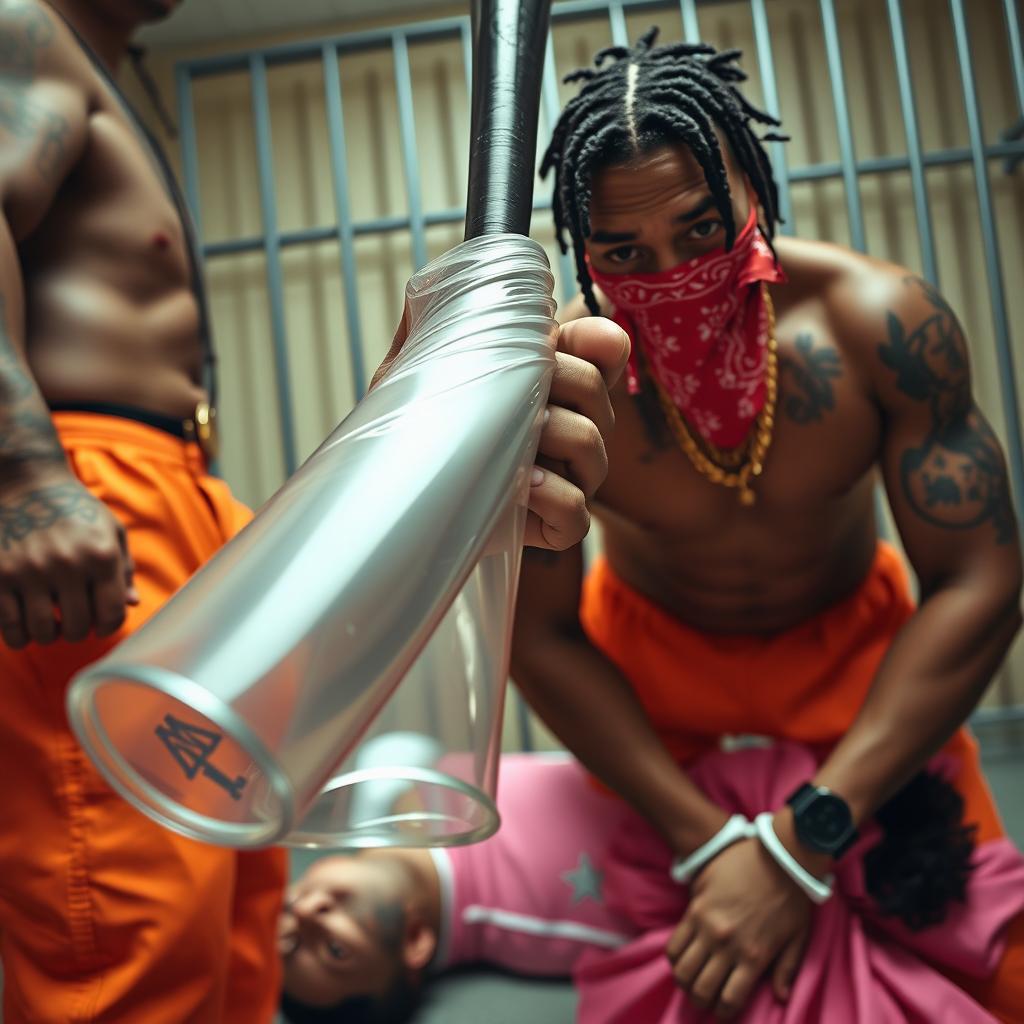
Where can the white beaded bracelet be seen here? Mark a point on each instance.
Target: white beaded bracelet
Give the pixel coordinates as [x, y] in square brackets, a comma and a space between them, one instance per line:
[736, 828]
[817, 890]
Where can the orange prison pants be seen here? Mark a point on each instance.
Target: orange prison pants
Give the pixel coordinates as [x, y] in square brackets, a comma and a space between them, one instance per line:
[104, 915]
[805, 685]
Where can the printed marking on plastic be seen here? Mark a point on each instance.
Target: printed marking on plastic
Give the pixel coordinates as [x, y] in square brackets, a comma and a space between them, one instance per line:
[192, 746]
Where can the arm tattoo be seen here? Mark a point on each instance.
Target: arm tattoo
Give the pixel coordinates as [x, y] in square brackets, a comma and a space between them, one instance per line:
[27, 434]
[956, 477]
[40, 509]
[812, 375]
[27, 30]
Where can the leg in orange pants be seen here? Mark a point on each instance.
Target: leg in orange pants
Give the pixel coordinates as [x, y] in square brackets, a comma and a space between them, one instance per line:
[104, 915]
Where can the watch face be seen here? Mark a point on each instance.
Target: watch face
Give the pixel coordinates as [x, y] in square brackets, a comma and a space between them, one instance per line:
[827, 819]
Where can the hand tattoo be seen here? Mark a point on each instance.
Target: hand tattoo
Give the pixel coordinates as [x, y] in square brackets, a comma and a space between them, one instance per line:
[957, 477]
[40, 509]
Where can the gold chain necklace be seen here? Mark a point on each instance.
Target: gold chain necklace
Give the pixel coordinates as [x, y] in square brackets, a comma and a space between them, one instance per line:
[735, 467]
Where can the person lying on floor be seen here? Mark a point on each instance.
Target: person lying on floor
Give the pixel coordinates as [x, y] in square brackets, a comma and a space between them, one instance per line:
[575, 883]
[359, 933]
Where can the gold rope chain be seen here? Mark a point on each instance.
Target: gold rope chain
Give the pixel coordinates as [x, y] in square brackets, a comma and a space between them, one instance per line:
[753, 451]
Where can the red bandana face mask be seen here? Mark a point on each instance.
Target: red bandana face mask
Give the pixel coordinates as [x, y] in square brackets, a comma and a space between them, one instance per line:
[704, 328]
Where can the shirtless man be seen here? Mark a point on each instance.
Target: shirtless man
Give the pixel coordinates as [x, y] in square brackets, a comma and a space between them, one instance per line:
[106, 508]
[743, 588]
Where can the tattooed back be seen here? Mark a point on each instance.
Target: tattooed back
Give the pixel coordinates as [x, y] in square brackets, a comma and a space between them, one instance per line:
[873, 384]
[109, 314]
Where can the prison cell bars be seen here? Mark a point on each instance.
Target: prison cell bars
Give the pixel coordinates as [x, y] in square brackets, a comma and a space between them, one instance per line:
[416, 220]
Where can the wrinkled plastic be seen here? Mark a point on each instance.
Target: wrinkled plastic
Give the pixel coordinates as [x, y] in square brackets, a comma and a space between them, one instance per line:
[391, 557]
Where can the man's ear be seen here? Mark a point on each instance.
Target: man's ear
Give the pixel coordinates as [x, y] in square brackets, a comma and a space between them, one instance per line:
[419, 942]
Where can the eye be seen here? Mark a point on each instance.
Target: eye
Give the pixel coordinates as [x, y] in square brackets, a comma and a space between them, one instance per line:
[706, 228]
[624, 254]
[335, 949]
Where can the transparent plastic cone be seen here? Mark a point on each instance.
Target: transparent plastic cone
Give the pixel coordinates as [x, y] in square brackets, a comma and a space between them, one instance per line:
[391, 554]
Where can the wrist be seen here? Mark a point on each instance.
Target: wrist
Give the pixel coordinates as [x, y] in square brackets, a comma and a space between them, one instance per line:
[688, 834]
[818, 864]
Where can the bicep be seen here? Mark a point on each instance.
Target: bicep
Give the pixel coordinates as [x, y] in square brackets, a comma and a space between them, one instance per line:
[43, 119]
[944, 468]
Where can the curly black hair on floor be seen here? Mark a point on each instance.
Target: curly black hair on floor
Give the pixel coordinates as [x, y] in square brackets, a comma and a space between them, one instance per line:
[649, 96]
[923, 862]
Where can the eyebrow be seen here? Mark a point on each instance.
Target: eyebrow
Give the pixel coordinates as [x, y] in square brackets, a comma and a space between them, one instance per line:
[611, 237]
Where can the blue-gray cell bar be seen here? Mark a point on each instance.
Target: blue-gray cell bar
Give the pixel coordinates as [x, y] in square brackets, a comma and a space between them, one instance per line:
[843, 127]
[466, 39]
[275, 281]
[993, 268]
[551, 105]
[1013, 35]
[763, 42]
[410, 161]
[691, 27]
[343, 209]
[525, 725]
[620, 33]
[189, 149]
[909, 110]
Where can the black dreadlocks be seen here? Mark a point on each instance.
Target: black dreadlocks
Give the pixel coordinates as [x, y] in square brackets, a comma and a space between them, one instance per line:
[648, 97]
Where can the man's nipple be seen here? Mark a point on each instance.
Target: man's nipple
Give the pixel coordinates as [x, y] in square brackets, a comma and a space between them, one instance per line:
[162, 241]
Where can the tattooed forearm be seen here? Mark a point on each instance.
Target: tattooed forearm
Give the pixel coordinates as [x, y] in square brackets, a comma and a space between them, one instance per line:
[29, 437]
[809, 395]
[40, 509]
[25, 29]
[27, 434]
[956, 478]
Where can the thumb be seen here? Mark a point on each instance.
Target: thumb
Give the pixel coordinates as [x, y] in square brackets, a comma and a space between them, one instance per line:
[787, 965]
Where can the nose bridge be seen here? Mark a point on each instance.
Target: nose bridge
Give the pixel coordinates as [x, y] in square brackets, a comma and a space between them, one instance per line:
[310, 904]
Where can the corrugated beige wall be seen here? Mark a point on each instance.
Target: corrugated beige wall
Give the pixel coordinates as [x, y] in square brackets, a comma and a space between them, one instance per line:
[321, 380]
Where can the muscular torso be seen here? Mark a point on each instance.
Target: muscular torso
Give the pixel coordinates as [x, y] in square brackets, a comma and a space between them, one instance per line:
[690, 545]
[110, 311]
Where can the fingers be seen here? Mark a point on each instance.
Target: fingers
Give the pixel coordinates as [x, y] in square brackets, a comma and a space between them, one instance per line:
[691, 962]
[574, 441]
[109, 596]
[681, 937]
[131, 594]
[599, 341]
[737, 991]
[558, 516]
[75, 607]
[37, 605]
[708, 983]
[788, 963]
[579, 386]
[12, 623]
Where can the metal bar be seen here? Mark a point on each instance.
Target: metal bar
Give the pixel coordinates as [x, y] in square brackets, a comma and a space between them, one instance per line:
[189, 148]
[620, 33]
[410, 164]
[1013, 37]
[691, 26]
[909, 110]
[993, 268]
[551, 105]
[763, 42]
[466, 40]
[346, 238]
[526, 741]
[847, 157]
[275, 288]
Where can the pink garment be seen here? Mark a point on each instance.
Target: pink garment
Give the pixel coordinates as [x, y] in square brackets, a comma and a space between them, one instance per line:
[860, 968]
[531, 898]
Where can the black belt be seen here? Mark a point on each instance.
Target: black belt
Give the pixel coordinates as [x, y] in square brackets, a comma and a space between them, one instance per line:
[200, 427]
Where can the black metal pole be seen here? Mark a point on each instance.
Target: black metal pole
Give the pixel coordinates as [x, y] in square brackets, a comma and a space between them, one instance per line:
[509, 37]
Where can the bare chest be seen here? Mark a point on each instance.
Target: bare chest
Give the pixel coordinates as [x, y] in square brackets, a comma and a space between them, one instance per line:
[824, 443]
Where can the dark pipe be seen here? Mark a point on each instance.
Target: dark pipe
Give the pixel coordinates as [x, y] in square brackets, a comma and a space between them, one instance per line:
[508, 54]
